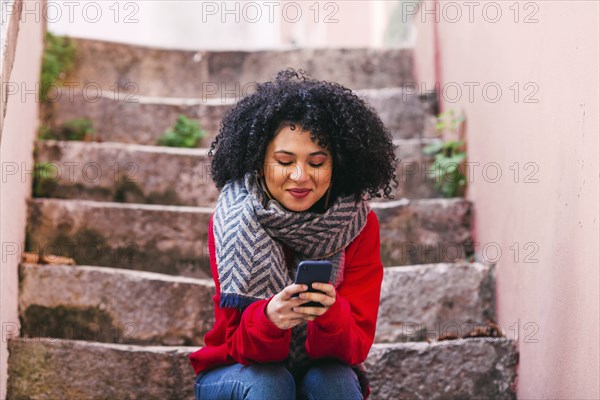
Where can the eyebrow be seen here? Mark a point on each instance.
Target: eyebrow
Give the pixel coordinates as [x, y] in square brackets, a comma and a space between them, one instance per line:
[315, 153]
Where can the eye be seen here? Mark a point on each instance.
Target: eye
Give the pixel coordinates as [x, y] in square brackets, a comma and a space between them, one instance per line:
[290, 163]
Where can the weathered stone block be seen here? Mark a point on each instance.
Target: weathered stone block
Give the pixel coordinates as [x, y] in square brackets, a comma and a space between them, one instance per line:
[132, 173]
[127, 173]
[403, 111]
[142, 119]
[482, 368]
[425, 301]
[70, 369]
[114, 305]
[228, 74]
[172, 239]
[139, 119]
[51, 369]
[166, 239]
[424, 231]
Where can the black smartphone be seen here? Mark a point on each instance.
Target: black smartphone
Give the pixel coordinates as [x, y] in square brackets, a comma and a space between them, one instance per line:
[310, 271]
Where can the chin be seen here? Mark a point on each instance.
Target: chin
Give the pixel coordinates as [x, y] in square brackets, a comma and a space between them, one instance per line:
[296, 208]
[300, 206]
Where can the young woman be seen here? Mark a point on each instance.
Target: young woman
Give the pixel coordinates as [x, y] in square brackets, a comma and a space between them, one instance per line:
[296, 163]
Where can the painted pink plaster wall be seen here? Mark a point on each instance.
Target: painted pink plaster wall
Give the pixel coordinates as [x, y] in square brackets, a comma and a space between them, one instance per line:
[549, 211]
[16, 154]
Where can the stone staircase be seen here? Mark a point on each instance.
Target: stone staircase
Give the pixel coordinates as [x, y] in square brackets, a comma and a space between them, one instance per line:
[134, 217]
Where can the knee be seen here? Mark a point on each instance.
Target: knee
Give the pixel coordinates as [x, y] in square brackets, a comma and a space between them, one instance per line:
[327, 371]
[331, 379]
[268, 381]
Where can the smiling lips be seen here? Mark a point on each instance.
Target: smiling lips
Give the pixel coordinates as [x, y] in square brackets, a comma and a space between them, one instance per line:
[299, 193]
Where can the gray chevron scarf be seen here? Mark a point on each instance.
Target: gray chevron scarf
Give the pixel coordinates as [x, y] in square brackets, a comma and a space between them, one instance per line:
[249, 229]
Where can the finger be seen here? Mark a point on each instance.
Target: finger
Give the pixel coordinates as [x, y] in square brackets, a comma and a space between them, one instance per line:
[285, 306]
[293, 302]
[318, 297]
[296, 301]
[296, 314]
[317, 311]
[325, 287]
[294, 288]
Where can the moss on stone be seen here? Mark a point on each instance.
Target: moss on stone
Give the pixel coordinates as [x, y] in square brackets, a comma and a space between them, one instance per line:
[127, 191]
[81, 191]
[86, 246]
[169, 196]
[27, 362]
[75, 323]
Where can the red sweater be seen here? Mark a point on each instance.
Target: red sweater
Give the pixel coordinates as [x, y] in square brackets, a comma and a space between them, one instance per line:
[346, 331]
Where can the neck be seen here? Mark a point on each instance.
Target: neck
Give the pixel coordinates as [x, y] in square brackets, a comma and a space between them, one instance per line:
[319, 206]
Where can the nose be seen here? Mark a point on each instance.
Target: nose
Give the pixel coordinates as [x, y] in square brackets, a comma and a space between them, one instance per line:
[299, 173]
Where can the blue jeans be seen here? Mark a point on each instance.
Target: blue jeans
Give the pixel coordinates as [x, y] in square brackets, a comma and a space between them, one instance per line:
[327, 379]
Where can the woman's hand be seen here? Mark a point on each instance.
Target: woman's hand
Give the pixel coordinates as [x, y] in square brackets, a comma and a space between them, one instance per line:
[327, 298]
[279, 309]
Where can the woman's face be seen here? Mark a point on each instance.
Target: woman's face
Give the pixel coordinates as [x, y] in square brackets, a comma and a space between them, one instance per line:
[294, 161]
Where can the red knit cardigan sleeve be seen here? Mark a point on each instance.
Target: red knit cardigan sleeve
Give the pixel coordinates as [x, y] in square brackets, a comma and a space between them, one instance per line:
[346, 331]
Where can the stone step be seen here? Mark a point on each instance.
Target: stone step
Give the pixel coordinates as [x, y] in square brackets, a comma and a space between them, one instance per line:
[424, 231]
[420, 302]
[473, 368]
[108, 66]
[132, 173]
[41, 368]
[54, 368]
[414, 181]
[143, 119]
[139, 119]
[122, 306]
[127, 173]
[172, 239]
[114, 305]
[154, 238]
[405, 112]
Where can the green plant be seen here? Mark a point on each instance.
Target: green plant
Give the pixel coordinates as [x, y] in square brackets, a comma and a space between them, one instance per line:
[73, 129]
[57, 60]
[77, 129]
[185, 133]
[44, 178]
[448, 156]
[448, 121]
[45, 133]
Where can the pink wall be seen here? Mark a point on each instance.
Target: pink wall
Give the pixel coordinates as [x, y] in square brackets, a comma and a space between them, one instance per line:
[18, 134]
[552, 302]
[242, 25]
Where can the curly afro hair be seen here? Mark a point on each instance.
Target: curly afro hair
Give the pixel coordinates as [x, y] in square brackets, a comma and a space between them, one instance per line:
[364, 160]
